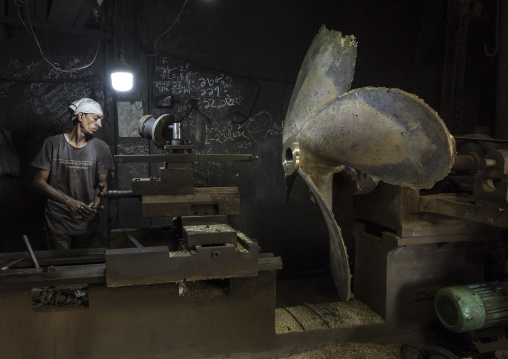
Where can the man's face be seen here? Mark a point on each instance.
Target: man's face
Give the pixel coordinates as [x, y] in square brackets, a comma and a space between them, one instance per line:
[90, 122]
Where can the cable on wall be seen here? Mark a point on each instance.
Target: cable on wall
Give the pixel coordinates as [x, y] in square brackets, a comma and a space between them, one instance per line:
[31, 32]
[165, 32]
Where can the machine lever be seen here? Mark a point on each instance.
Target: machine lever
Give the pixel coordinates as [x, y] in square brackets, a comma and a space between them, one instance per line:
[30, 251]
[14, 262]
[101, 190]
[135, 242]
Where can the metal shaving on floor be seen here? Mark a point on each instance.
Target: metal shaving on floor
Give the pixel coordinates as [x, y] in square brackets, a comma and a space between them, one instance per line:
[324, 316]
[350, 351]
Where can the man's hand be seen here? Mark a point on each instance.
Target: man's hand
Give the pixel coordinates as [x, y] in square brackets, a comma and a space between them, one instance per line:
[89, 212]
[79, 208]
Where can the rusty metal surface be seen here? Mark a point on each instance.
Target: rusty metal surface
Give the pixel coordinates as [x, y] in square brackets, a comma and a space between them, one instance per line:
[156, 129]
[204, 201]
[147, 236]
[205, 234]
[386, 133]
[339, 264]
[399, 282]
[400, 209]
[327, 72]
[145, 322]
[132, 266]
[464, 208]
[184, 158]
[380, 133]
[170, 181]
[57, 257]
[491, 184]
[443, 237]
[197, 220]
[65, 275]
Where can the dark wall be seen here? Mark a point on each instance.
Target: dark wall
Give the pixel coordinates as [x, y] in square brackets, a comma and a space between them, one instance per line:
[257, 47]
[33, 105]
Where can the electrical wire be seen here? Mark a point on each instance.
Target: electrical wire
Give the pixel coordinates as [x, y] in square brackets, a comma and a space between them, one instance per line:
[31, 32]
[165, 32]
[123, 19]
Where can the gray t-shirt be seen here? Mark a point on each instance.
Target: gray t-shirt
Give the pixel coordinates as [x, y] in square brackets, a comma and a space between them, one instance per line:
[72, 171]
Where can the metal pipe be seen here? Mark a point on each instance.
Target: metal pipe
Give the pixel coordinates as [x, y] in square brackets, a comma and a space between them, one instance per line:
[177, 131]
[117, 194]
[14, 262]
[470, 163]
[501, 121]
[30, 251]
[490, 162]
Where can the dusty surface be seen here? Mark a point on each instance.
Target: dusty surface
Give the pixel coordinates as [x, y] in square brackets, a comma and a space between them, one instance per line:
[323, 316]
[204, 289]
[351, 351]
[209, 228]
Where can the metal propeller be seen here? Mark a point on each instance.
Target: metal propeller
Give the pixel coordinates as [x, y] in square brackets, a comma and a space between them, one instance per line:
[385, 134]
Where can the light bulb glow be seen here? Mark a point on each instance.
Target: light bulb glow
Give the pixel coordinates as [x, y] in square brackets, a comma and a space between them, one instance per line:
[121, 81]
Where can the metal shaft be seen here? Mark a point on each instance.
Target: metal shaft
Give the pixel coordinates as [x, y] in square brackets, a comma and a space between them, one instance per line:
[177, 131]
[30, 251]
[117, 194]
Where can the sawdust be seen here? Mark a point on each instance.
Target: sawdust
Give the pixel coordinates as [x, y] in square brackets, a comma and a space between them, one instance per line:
[350, 351]
[209, 228]
[205, 289]
[323, 316]
[184, 253]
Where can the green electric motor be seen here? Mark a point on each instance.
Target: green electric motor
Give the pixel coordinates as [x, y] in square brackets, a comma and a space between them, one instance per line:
[472, 307]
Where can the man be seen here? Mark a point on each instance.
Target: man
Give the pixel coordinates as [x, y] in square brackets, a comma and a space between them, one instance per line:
[69, 168]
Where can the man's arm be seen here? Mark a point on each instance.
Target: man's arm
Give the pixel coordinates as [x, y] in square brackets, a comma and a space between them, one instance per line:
[101, 178]
[41, 184]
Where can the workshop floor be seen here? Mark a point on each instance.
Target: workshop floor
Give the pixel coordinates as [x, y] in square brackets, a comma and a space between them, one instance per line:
[310, 308]
[313, 304]
[312, 323]
[351, 351]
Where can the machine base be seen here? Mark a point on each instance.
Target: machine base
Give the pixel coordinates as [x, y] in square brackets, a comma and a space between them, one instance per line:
[143, 322]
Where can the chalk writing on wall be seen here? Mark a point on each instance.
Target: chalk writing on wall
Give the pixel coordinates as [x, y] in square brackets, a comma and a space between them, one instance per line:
[15, 69]
[257, 128]
[186, 83]
[127, 171]
[34, 90]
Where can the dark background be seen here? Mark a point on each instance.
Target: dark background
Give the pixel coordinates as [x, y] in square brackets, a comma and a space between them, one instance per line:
[255, 48]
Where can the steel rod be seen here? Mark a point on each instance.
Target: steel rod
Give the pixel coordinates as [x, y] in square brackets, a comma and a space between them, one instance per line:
[184, 158]
[30, 251]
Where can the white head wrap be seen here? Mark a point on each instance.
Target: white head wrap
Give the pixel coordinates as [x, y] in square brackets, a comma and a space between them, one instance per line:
[85, 105]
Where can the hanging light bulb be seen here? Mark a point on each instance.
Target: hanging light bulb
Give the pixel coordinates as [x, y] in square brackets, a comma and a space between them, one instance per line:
[121, 77]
